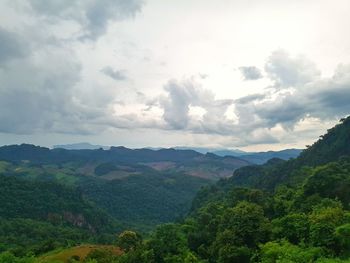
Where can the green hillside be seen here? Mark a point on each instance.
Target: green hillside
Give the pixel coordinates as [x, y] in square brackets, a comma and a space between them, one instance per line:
[294, 211]
[279, 212]
[137, 200]
[40, 216]
[330, 147]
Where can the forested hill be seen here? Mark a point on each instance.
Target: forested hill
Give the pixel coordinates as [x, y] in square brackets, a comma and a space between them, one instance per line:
[209, 166]
[141, 188]
[42, 155]
[330, 147]
[263, 157]
[38, 216]
[49, 201]
[283, 211]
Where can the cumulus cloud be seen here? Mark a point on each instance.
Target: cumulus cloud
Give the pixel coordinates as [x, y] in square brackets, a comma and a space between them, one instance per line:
[250, 73]
[180, 96]
[40, 73]
[183, 95]
[41, 96]
[324, 99]
[287, 71]
[114, 74]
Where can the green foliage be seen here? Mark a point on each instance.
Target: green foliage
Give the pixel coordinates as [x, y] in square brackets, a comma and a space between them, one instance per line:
[105, 168]
[294, 227]
[285, 252]
[129, 240]
[48, 201]
[245, 224]
[342, 234]
[294, 211]
[140, 200]
[100, 256]
[22, 236]
[145, 200]
[8, 257]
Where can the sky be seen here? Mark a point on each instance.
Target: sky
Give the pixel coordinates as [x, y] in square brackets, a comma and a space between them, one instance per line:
[250, 74]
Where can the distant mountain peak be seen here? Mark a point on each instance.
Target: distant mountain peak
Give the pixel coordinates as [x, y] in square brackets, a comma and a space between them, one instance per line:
[80, 146]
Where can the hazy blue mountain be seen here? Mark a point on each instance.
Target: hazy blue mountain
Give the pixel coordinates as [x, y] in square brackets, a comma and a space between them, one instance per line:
[252, 157]
[331, 147]
[80, 146]
[263, 157]
[217, 151]
[226, 152]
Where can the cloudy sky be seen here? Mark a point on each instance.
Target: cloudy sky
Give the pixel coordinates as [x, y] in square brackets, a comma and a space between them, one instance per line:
[248, 74]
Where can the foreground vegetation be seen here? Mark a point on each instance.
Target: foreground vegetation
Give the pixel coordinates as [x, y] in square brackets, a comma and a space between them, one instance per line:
[283, 211]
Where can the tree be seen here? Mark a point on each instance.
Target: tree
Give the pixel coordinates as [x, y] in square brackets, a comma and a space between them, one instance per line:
[129, 240]
[272, 252]
[246, 223]
[343, 235]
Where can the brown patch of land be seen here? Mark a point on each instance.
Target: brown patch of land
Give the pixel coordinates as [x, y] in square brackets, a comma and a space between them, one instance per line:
[160, 166]
[80, 251]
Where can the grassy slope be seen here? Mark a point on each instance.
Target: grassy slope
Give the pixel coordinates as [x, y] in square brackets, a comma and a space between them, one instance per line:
[63, 255]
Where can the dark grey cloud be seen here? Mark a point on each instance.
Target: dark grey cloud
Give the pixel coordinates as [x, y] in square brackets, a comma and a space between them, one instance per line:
[92, 15]
[114, 74]
[250, 73]
[176, 105]
[41, 88]
[287, 71]
[39, 96]
[11, 46]
[325, 99]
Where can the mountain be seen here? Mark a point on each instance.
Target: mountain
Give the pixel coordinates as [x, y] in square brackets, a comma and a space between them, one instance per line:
[49, 201]
[80, 146]
[218, 151]
[138, 187]
[252, 157]
[263, 157]
[282, 211]
[330, 147]
[39, 216]
[122, 160]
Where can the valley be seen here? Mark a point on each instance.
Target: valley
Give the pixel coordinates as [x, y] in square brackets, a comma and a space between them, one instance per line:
[87, 205]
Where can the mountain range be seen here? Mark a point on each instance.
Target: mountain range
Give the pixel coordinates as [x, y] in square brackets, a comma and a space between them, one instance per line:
[294, 210]
[252, 157]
